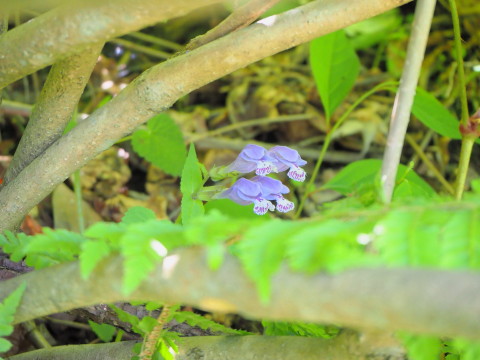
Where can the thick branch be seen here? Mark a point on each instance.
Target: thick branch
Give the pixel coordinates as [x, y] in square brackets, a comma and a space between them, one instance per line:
[346, 346]
[159, 87]
[69, 29]
[422, 301]
[54, 108]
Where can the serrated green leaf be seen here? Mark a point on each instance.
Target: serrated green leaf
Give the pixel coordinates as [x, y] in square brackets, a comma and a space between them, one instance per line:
[193, 319]
[162, 144]
[92, 252]
[330, 245]
[143, 246]
[361, 172]
[190, 184]
[105, 332]
[147, 324]
[280, 328]
[128, 318]
[138, 214]
[434, 115]
[110, 232]
[262, 250]
[335, 67]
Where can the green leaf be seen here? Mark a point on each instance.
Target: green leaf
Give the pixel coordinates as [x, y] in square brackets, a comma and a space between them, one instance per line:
[421, 347]
[434, 115]
[128, 318]
[110, 232]
[92, 252]
[335, 67]
[15, 245]
[262, 250]
[353, 176]
[329, 245]
[143, 246]
[280, 328]
[161, 144]
[232, 209]
[7, 313]
[5, 345]
[193, 319]
[190, 184]
[105, 332]
[137, 214]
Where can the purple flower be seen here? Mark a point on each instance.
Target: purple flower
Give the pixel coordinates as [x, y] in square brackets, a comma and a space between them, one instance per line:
[259, 190]
[286, 158]
[253, 158]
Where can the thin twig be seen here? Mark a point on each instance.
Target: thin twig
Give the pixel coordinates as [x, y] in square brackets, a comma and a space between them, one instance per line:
[241, 17]
[418, 150]
[151, 340]
[406, 92]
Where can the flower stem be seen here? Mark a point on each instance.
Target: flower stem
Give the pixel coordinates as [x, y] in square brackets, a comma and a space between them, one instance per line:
[459, 58]
[465, 154]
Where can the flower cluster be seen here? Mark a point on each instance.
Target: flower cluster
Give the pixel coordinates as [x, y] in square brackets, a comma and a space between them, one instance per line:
[261, 190]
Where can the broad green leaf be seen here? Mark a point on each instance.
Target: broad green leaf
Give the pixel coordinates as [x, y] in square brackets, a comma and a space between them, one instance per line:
[434, 115]
[358, 173]
[92, 252]
[105, 332]
[190, 184]
[335, 67]
[161, 144]
[137, 214]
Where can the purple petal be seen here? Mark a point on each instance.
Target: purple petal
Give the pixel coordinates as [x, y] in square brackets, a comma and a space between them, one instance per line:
[252, 158]
[243, 192]
[270, 187]
[286, 156]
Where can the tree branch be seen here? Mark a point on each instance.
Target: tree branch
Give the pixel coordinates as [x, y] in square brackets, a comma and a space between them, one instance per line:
[346, 346]
[241, 17]
[54, 108]
[421, 301]
[159, 87]
[405, 95]
[71, 28]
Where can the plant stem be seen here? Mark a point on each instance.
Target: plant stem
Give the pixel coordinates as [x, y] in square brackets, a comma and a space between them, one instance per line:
[418, 150]
[77, 187]
[151, 339]
[406, 92]
[459, 58]
[328, 139]
[465, 153]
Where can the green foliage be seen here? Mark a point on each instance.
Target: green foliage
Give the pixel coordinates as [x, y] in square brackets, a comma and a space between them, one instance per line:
[362, 174]
[192, 181]
[42, 250]
[281, 328]
[421, 347]
[161, 144]
[434, 115]
[7, 313]
[335, 67]
[105, 332]
[93, 251]
[137, 214]
[193, 319]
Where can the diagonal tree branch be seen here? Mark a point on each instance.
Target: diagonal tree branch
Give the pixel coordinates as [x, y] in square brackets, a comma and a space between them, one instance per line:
[71, 28]
[159, 87]
[54, 108]
[421, 301]
[241, 17]
[346, 346]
